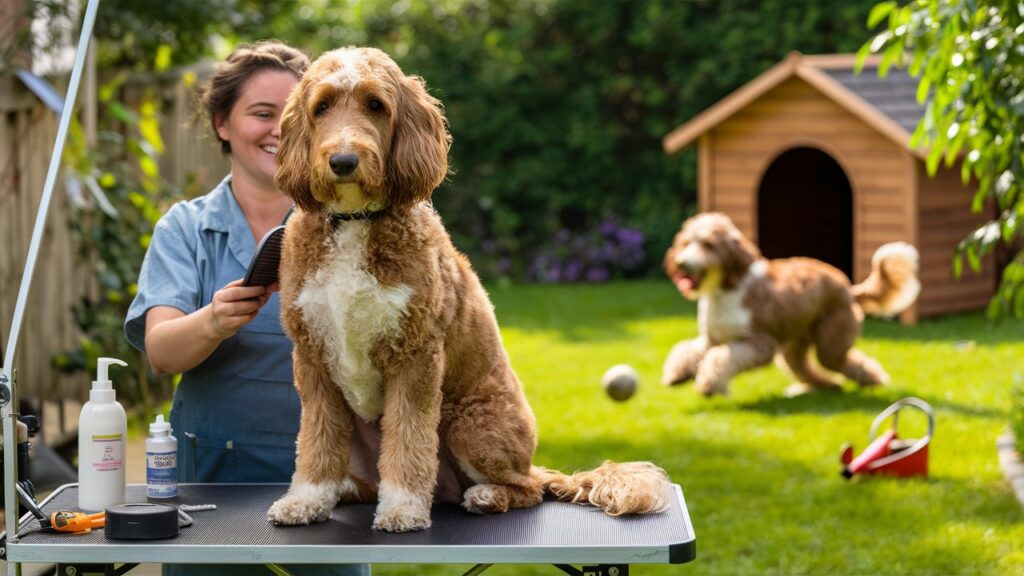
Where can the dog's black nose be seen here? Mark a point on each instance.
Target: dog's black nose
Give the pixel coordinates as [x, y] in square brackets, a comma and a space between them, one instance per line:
[343, 164]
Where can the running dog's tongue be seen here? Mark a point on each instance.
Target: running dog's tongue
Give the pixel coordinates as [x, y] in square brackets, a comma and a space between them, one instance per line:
[682, 282]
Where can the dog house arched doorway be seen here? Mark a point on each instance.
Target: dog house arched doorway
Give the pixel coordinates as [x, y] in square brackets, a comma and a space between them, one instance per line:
[805, 208]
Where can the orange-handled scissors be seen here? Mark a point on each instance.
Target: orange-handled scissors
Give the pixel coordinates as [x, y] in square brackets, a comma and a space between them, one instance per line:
[69, 521]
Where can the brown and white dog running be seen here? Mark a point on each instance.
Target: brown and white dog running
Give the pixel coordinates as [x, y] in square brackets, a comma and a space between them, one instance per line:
[749, 309]
[391, 325]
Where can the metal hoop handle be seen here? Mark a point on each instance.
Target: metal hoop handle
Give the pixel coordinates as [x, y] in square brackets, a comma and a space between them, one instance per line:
[893, 410]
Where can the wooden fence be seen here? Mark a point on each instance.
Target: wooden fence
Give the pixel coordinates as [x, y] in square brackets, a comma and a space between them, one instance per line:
[27, 133]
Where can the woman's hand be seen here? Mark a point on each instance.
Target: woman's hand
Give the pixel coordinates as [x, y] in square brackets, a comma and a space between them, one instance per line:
[234, 306]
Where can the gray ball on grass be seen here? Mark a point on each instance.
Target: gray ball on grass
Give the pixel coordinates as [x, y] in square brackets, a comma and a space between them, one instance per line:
[620, 382]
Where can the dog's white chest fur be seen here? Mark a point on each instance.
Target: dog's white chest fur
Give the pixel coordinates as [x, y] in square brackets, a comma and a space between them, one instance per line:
[345, 307]
[722, 316]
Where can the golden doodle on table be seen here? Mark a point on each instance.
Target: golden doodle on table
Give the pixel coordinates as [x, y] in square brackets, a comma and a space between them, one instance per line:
[391, 325]
[751, 309]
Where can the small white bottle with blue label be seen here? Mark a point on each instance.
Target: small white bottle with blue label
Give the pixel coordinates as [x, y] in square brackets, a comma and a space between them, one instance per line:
[161, 461]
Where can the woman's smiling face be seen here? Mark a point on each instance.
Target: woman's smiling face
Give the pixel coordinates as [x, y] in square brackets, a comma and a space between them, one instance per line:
[253, 126]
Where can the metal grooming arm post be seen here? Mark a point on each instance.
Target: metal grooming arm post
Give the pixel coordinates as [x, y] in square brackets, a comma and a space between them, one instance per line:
[8, 387]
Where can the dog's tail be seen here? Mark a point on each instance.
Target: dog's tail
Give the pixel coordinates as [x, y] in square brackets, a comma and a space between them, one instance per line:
[892, 286]
[616, 488]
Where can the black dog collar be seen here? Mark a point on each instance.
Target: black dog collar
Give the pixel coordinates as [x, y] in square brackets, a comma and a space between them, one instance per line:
[336, 218]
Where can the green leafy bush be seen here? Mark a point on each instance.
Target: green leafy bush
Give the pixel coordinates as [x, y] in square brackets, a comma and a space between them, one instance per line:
[969, 56]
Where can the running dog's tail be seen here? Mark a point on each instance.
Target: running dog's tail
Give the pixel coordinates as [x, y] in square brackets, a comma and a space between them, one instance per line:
[616, 488]
[892, 285]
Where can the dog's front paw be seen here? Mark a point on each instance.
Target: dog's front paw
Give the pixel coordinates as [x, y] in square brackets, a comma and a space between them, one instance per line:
[713, 372]
[401, 510]
[291, 511]
[682, 361]
[710, 383]
[295, 509]
[673, 375]
[401, 518]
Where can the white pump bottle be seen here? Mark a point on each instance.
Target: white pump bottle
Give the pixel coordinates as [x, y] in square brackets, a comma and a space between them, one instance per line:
[102, 433]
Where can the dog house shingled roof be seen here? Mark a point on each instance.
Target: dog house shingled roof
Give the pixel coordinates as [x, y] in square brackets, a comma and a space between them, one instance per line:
[864, 123]
[895, 95]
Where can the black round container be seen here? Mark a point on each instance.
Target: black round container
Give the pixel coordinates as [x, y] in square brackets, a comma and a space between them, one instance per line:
[143, 521]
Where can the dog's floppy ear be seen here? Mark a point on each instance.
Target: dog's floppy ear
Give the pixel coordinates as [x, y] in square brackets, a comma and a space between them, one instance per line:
[419, 149]
[738, 254]
[294, 172]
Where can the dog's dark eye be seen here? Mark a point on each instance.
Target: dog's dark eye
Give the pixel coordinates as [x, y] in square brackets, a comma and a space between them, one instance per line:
[375, 105]
[321, 108]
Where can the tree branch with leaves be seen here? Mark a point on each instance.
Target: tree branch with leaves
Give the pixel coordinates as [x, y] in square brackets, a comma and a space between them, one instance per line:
[969, 58]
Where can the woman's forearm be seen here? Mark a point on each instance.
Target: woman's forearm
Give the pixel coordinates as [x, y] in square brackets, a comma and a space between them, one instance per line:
[177, 342]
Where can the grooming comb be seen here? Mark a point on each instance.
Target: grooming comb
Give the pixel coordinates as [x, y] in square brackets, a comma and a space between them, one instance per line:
[265, 261]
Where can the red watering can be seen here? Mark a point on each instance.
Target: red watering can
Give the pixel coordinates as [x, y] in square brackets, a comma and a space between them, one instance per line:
[888, 454]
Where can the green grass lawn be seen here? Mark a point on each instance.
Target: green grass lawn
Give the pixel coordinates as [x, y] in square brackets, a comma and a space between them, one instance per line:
[760, 472]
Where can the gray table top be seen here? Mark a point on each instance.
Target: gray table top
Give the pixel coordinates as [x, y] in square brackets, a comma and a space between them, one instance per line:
[238, 532]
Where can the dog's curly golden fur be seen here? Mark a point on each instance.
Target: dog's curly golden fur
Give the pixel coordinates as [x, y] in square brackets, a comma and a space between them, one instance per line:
[391, 325]
[750, 309]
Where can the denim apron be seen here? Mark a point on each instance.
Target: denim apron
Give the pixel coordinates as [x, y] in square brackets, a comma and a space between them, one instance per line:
[236, 416]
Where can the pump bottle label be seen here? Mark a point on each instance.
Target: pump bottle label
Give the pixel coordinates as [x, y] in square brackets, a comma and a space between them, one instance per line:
[110, 448]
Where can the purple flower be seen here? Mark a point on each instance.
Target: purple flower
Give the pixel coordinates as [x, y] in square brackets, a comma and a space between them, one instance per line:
[571, 271]
[629, 237]
[596, 255]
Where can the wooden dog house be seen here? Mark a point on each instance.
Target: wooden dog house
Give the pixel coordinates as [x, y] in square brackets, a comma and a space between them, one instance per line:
[811, 159]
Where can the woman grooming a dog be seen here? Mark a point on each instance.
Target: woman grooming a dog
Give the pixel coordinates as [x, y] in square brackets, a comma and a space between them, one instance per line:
[235, 412]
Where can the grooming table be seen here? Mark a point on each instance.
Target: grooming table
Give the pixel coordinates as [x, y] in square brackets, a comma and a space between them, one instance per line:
[237, 532]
